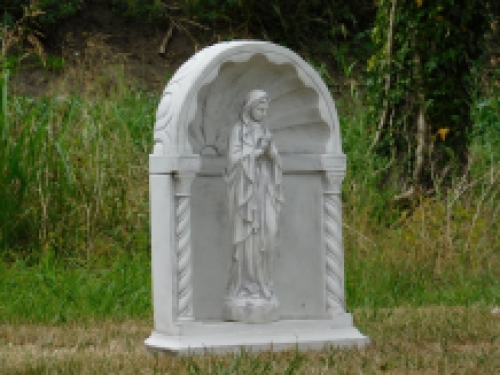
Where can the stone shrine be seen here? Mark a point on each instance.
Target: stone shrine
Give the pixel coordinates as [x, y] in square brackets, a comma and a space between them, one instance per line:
[246, 210]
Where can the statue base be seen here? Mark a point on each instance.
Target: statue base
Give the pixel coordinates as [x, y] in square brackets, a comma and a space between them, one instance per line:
[251, 310]
[190, 338]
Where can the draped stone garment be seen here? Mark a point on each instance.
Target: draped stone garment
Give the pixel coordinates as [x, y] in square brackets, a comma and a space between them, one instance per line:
[254, 180]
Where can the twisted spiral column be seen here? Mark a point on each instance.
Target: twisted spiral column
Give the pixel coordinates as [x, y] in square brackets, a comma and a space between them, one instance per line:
[183, 236]
[335, 299]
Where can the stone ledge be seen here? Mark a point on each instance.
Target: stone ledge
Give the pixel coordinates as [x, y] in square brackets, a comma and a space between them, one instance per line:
[214, 165]
[233, 337]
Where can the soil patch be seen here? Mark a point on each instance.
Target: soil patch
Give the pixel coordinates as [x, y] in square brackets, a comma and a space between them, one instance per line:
[97, 41]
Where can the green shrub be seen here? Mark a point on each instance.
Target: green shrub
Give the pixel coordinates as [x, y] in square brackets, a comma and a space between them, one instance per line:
[421, 86]
[303, 23]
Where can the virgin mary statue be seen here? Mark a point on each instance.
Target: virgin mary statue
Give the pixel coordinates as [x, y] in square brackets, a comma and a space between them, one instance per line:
[254, 181]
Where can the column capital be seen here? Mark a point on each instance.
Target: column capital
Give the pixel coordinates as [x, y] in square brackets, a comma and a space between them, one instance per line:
[183, 181]
[332, 181]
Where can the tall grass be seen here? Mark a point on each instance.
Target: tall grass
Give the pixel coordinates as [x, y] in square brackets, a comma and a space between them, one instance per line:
[74, 173]
[441, 249]
[74, 212]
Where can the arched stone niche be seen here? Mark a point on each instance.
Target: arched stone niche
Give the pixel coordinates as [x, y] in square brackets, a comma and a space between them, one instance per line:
[191, 246]
[237, 67]
[294, 115]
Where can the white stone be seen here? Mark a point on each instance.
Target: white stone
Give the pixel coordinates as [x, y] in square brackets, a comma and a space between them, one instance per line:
[230, 337]
[300, 302]
[254, 180]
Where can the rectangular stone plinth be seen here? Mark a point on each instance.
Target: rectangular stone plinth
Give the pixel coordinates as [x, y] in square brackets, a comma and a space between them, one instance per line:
[228, 337]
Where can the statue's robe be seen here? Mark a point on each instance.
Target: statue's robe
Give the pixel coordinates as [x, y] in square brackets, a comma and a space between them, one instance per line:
[255, 199]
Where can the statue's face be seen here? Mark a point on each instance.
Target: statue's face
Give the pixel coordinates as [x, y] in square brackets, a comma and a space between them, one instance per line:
[259, 111]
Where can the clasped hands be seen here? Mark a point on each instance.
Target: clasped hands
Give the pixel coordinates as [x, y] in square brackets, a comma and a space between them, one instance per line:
[265, 146]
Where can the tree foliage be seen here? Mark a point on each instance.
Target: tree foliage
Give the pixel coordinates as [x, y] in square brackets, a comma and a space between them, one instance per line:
[53, 10]
[420, 86]
[296, 23]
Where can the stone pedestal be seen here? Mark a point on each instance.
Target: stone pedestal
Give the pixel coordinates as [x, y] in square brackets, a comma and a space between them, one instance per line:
[251, 310]
[201, 338]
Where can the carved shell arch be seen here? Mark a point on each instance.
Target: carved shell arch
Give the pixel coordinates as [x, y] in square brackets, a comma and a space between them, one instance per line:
[203, 99]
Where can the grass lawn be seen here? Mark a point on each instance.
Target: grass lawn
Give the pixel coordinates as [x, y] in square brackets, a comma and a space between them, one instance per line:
[427, 340]
[93, 319]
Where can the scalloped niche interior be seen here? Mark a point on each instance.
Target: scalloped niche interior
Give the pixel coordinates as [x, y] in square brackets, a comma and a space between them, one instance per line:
[293, 117]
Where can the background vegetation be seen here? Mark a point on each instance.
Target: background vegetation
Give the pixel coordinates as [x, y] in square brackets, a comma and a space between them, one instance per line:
[74, 170]
[53, 10]
[421, 89]
[298, 22]
[74, 234]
